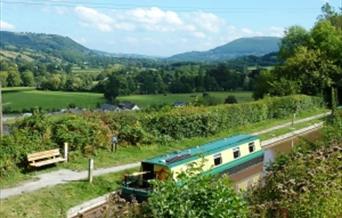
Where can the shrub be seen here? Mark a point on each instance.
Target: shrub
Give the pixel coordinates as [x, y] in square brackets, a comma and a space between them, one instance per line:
[199, 196]
[39, 132]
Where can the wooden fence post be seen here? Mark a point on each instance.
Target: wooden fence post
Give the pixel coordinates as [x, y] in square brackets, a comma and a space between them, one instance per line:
[293, 118]
[66, 148]
[90, 170]
[114, 143]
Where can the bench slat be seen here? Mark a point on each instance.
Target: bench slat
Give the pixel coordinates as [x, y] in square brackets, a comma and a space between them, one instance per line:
[43, 154]
[46, 162]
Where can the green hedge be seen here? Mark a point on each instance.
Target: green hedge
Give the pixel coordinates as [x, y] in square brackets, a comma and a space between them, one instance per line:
[90, 131]
[140, 127]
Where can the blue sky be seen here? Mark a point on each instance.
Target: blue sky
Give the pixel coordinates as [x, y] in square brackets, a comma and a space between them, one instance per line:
[160, 28]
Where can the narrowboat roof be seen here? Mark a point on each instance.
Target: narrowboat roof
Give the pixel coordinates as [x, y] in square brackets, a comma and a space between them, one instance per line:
[180, 157]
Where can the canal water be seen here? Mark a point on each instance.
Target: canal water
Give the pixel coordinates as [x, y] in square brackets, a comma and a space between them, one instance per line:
[251, 175]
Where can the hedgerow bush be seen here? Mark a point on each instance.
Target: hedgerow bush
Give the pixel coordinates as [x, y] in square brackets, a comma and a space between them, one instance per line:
[142, 127]
[90, 131]
[203, 121]
[39, 132]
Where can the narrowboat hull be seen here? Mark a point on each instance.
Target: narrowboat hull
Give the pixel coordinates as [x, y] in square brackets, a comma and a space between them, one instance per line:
[138, 194]
[236, 165]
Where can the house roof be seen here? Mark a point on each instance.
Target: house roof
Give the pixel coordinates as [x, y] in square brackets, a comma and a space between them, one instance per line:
[179, 103]
[126, 105]
[108, 107]
[180, 157]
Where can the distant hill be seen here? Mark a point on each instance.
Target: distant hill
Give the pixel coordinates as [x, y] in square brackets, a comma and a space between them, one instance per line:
[35, 45]
[255, 46]
[51, 47]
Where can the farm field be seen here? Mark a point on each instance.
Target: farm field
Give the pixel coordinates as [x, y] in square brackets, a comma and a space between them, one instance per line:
[19, 98]
[145, 100]
[26, 99]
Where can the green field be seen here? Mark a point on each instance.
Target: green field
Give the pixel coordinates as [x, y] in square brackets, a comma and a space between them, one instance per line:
[145, 100]
[26, 99]
[17, 99]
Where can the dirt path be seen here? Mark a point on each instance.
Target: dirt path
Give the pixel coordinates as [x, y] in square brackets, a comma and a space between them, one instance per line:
[59, 177]
[65, 175]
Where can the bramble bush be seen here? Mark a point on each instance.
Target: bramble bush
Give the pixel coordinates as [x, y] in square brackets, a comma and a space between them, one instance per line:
[90, 131]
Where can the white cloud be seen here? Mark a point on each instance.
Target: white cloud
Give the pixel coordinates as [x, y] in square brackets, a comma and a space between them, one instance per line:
[276, 31]
[151, 19]
[199, 35]
[155, 16]
[179, 31]
[206, 21]
[94, 18]
[247, 31]
[6, 26]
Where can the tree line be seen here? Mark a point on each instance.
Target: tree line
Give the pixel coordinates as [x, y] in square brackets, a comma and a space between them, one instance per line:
[121, 79]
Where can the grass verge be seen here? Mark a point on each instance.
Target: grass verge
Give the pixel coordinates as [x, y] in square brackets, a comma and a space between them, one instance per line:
[55, 201]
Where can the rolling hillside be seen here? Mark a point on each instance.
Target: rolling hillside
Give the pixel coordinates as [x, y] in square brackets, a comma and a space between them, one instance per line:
[50, 47]
[33, 44]
[256, 46]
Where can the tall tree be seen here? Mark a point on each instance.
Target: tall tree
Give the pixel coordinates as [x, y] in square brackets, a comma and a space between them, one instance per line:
[111, 87]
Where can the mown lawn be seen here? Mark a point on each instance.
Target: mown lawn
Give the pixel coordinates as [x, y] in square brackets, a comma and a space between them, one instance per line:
[19, 98]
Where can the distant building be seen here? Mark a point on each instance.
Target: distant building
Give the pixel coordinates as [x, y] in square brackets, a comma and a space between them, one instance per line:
[109, 107]
[128, 106]
[179, 104]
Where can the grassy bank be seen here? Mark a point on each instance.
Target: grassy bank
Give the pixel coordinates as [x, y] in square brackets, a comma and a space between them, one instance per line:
[55, 201]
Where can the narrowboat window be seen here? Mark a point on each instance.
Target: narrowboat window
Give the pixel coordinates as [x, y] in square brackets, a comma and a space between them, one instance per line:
[236, 152]
[217, 159]
[251, 147]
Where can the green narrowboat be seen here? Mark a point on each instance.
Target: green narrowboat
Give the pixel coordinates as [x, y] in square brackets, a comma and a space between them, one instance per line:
[226, 155]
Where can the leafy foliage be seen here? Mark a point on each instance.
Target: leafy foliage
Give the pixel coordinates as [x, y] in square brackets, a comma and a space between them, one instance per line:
[39, 132]
[305, 183]
[311, 60]
[199, 196]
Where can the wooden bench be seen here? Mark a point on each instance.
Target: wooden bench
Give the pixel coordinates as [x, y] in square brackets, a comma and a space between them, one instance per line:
[43, 158]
